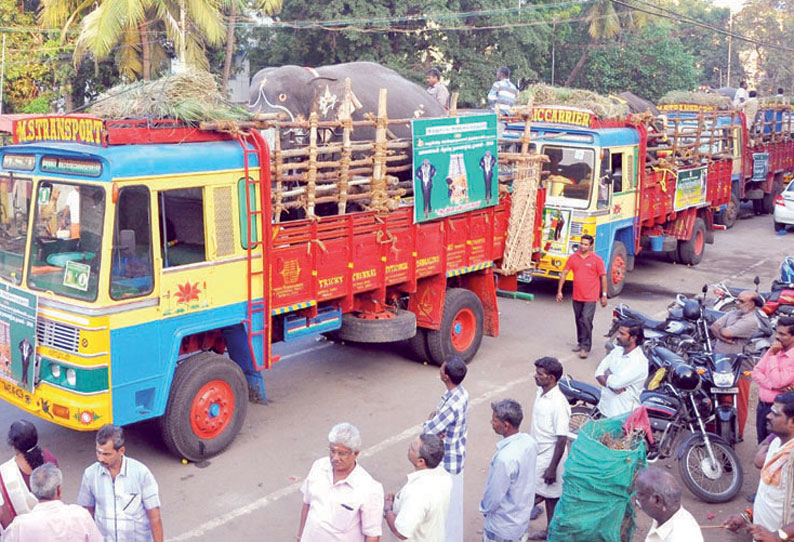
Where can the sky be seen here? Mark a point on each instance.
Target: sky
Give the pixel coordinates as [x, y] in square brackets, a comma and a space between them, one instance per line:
[735, 5]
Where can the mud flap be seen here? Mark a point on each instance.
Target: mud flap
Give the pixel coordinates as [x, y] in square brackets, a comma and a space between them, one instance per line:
[237, 346]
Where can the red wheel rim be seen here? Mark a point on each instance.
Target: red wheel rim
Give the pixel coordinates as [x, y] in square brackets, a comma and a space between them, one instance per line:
[699, 241]
[464, 328]
[212, 409]
[618, 269]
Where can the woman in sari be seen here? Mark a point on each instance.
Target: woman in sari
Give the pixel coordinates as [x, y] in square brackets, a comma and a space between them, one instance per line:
[15, 495]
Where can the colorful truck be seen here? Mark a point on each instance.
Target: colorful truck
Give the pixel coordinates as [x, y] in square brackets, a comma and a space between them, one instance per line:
[145, 274]
[619, 181]
[763, 155]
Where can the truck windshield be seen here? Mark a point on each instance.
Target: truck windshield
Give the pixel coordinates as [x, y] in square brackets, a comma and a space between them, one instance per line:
[67, 239]
[568, 176]
[13, 225]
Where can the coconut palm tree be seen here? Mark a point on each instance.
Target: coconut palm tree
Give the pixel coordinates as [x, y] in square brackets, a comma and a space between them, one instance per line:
[267, 7]
[605, 21]
[125, 27]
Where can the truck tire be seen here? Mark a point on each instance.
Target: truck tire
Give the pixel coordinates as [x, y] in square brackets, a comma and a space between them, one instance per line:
[769, 199]
[400, 326]
[691, 251]
[418, 345]
[729, 216]
[461, 327]
[616, 273]
[206, 407]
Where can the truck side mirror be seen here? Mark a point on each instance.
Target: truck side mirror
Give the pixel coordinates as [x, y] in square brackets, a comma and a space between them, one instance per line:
[756, 281]
[605, 173]
[705, 288]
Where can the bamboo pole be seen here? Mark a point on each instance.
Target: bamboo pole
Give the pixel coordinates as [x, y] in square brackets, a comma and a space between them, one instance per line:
[312, 173]
[344, 168]
[379, 169]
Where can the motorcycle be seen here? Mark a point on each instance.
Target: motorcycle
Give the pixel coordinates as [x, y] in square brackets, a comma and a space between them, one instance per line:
[708, 465]
[779, 301]
[673, 333]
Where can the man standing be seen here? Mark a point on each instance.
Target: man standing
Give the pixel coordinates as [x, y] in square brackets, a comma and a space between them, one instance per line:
[510, 487]
[774, 373]
[750, 108]
[741, 94]
[551, 418]
[419, 511]
[51, 520]
[450, 421]
[341, 501]
[731, 333]
[120, 493]
[773, 508]
[780, 98]
[436, 88]
[589, 285]
[659, 496]
[623, 372]
[503, 92]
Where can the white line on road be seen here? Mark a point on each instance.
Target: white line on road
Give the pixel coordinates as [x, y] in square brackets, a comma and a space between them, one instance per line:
[285, 491]
[306, 351]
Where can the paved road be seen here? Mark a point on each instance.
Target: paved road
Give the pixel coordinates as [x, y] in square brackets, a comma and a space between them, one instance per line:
[250, 493]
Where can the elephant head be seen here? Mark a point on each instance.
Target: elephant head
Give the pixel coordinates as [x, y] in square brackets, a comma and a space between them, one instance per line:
[297, 92]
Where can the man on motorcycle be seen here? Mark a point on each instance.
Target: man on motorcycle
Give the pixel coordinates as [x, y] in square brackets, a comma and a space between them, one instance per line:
[623, 372]
[771, 520]
[731, 333]
[774, 373]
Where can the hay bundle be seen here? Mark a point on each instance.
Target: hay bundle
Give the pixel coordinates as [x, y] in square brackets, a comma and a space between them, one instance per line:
[717, 101]
[602, 106]
[191, 96]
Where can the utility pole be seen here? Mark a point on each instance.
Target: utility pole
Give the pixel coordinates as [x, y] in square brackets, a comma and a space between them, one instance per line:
[730, 46]
[3, 74]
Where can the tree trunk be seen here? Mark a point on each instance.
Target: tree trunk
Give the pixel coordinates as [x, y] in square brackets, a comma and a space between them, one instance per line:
[146, 54]
[227, 62]
[577, 68]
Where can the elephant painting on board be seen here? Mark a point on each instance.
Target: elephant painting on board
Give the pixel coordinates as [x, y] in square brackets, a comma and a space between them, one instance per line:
[296, 92]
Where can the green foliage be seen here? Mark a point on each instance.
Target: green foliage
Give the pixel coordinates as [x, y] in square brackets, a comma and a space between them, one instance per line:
[772, 22]
[466, 56]
[648, 64]
[39, 105]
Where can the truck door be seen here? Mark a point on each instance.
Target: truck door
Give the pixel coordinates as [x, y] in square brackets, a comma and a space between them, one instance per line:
[623, 182]
[183, 250]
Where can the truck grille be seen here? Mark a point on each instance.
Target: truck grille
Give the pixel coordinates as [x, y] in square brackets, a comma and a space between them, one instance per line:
[57, 335]
[576, 229]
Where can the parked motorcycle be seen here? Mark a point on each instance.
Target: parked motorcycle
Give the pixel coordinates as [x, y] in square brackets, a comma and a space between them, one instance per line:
[678, 412]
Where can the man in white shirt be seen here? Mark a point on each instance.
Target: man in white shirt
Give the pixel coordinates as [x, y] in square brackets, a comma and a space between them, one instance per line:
[623, 372]
[419, 511]
[741, 94]
[772, 521]
[659, 496]
[551, 418]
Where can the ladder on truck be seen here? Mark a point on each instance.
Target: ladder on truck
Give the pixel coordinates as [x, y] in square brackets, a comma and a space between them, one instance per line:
[259, 232]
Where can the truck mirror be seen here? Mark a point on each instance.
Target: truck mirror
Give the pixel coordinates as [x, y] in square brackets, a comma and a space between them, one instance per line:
[756, 280]
[705, 288]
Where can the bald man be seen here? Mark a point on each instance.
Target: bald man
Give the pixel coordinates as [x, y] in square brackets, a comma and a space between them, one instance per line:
[731, 333]
[659, 496]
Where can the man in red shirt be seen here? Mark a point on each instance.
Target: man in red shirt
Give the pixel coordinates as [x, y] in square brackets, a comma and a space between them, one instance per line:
[589, 286]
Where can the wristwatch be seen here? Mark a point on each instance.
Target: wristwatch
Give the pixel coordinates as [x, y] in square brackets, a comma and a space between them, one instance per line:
[782, 534]
[603, 294]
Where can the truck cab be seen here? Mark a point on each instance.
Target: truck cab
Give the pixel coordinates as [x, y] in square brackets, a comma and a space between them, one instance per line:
[590, 184]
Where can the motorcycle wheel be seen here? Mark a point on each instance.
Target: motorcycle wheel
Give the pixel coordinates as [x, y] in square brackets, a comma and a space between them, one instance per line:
[580, 415]
[711, 483]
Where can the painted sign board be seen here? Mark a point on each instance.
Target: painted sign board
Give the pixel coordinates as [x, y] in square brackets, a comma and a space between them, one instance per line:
[18, 336]
[454, 164]
[690, 188]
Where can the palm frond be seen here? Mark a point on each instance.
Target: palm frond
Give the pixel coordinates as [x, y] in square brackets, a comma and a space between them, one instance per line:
[128, 56]
[269, 7]
[207, 17]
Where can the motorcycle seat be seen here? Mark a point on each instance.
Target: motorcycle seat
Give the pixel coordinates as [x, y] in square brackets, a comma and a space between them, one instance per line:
[648, 321]
[576, 389]
[669, 357]
[735, 290]
[712, 315]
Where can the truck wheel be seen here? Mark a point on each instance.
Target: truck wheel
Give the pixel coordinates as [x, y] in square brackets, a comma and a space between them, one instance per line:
[206, 407]
[418, 345]
[461, 327]
[397, 326]
[691, 251]
[769, 199]
[616, 274]
[728, 217]
[758, 206]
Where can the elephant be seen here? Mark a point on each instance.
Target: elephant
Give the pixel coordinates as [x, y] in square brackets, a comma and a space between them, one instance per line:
[295, 92]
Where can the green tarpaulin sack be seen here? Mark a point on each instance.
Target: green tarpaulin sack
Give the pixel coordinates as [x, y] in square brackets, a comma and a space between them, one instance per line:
[596, 487]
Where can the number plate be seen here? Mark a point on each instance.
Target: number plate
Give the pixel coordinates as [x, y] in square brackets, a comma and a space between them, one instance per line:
[724, 390]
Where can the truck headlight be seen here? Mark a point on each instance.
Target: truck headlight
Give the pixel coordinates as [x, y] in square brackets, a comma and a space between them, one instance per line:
[71, 377]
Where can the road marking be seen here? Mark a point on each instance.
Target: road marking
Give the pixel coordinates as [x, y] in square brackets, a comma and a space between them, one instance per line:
[285, 491]
[307, 350]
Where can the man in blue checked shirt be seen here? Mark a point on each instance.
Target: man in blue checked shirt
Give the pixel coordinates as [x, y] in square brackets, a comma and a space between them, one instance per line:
[510, 487]
[450, 422]
[120, 493]
[503, 93]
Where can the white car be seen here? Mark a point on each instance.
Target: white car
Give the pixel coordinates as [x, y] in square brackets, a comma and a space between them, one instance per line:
[784, 208]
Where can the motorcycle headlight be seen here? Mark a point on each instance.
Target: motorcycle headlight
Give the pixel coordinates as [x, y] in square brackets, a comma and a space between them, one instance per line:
[723, 380]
